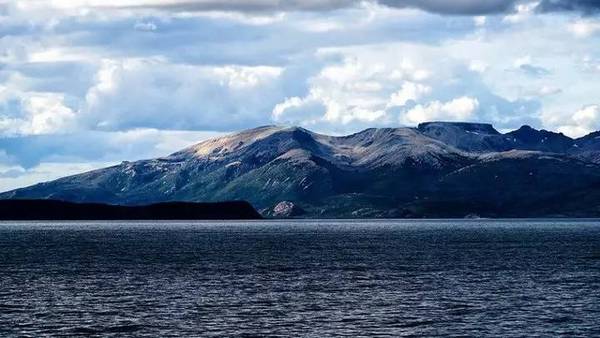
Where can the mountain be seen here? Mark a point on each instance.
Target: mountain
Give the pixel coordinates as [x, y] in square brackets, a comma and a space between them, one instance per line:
[478, 137]
[438, 169]
[474, 137]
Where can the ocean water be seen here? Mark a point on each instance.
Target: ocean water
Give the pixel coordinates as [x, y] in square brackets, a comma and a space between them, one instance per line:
[314, 279]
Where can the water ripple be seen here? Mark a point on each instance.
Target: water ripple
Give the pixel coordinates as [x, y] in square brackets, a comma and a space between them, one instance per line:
[311, 279]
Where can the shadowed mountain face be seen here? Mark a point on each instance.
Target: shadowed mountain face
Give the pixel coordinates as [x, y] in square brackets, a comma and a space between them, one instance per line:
[435, 170]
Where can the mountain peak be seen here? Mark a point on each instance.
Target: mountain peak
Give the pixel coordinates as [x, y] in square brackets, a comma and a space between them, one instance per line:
[529, 138]
[482, 128]
[477, 137]
[226, 143]
[527, 131]
[591, 136]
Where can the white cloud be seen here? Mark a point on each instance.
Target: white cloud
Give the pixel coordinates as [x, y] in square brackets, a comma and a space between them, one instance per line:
[377, 85]
[40, 54]
[587, 116]
[480, 20]
[356, 91]
[410, 91]
[526, 66]
[585, 27]
[522, 13]
[478, 66]
[563, 77]
[239, 77]
[48, 114]
[522, 61]
[14, 177]
[289, 103]
[459, 109]
[134, 93]
[40, 113]
[582, 122]
[547, 90]
[299, 111]
[145, 26]
[590, 63]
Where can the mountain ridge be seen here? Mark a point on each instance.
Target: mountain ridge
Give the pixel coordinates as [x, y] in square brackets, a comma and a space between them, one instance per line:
[378, 172]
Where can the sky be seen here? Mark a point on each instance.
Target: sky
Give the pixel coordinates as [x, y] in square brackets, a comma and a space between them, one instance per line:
[89, 83]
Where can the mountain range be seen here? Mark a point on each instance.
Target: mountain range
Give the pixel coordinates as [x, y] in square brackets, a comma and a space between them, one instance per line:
[438, 169]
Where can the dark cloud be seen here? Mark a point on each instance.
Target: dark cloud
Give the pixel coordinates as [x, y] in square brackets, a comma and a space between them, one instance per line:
[455, 7]
[12, 173]
[444, 7]
[583, 6]
[29, 151]
[534, 71]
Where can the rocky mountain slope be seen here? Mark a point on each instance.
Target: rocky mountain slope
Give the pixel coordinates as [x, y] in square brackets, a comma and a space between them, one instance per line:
[435, 170]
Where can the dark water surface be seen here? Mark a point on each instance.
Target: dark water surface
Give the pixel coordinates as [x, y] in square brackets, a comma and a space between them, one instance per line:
[319, 279]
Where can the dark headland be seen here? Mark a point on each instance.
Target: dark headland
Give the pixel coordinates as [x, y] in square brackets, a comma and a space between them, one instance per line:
[19, 210]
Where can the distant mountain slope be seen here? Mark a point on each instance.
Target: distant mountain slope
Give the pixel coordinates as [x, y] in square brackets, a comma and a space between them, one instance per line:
[479, 137]
[438, 169]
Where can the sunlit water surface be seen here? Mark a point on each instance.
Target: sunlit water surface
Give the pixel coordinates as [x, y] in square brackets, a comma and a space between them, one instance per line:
[297, 278]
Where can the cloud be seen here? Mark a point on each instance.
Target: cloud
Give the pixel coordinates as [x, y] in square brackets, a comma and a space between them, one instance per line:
[38, 114]
[459, 109]
[379, 85]
[478, 66]
[354, 92]
[548, 91]
[153, 93]
[213, 5]
[28, 151]
[585, 28]
[515, 8]
[145, 26]
[583, 6]
[532, 70]
[299, 111]
[410, 91]
[522, 12]
[17, 177]
[526, 66]
[591, 64]
[457, 7]
[587, 116]
[582, 122]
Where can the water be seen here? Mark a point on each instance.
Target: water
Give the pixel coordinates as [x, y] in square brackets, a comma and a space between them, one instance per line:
[319, 279]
